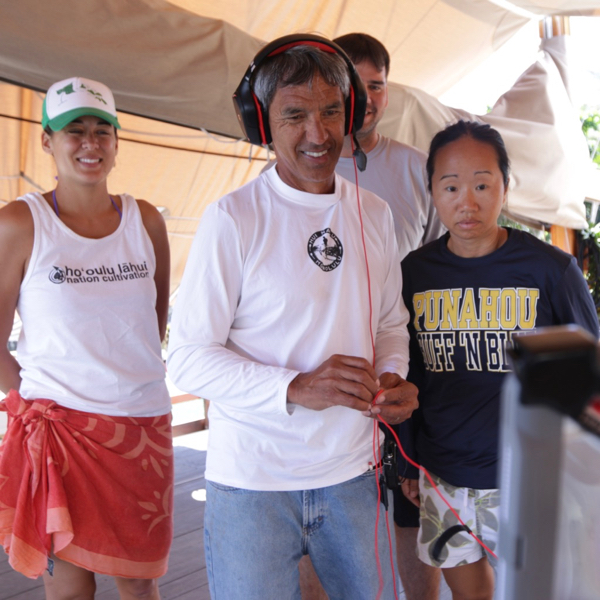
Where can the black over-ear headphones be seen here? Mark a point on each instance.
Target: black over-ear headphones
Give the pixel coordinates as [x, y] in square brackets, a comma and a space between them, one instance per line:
[254, 118]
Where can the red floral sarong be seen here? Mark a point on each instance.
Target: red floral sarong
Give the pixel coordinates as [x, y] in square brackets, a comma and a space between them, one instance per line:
[96, 490]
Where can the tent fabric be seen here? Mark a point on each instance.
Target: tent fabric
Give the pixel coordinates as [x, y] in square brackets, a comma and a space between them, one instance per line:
[544, 139]
[178, 63]
[551, 169]
[160, 59]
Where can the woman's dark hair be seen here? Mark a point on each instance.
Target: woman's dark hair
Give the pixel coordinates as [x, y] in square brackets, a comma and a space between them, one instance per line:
[482, 132]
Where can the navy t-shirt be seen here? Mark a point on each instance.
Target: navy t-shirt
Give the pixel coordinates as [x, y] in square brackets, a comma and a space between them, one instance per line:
[464, 313]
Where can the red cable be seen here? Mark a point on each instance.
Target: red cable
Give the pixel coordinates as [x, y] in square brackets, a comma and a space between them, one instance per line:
[376, 448]
[433, 484]
[362, 232]
[375, 458]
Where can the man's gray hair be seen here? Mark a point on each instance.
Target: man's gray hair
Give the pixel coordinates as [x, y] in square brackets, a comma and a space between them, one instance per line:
[298, 66]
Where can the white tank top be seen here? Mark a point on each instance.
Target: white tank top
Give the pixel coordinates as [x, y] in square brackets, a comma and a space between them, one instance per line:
[90, 337]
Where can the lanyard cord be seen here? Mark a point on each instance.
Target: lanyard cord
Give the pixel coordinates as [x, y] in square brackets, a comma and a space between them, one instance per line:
[110, 197]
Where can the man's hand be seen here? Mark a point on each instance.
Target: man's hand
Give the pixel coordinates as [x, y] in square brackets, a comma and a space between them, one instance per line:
[410, 488]
[339, 381]
[396, 402]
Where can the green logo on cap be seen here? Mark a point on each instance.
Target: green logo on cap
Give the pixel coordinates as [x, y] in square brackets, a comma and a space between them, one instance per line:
[68, 89]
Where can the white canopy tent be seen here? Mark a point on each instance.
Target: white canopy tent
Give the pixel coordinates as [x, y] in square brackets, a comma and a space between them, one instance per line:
[174, 65]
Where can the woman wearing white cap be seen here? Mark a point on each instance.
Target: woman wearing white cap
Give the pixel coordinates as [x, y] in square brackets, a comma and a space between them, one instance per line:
[86, 464]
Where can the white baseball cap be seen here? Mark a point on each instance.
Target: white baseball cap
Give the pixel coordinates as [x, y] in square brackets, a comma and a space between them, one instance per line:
[77, 97]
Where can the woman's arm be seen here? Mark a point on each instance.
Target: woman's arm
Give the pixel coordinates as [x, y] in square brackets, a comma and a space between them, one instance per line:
[16, 243]
[157, 230]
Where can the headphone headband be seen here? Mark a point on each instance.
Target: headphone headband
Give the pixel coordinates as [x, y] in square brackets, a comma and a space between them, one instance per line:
[254, 118]
[304, 42]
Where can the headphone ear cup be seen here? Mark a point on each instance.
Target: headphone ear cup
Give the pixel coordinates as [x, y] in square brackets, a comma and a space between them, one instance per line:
[253, 120]
[356, 104]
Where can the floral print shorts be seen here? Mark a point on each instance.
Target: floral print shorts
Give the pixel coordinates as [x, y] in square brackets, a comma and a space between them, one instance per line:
[479, 510]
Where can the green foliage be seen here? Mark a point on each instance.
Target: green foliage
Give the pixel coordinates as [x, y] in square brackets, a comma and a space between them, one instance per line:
[588, 243]
[541, 234]
[590, 124]
[588, 239]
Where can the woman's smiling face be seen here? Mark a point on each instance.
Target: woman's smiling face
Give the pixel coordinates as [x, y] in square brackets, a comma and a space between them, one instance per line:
[85, 149]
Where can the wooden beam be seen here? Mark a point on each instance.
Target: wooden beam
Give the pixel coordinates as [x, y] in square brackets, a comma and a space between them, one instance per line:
[191, 427]
[182, 398]
[564, 238]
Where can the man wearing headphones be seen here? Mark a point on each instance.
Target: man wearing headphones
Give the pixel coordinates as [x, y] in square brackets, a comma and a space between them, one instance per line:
[290, 319]
[396, 173]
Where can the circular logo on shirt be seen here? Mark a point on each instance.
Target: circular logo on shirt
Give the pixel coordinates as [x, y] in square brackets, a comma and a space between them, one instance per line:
[325, 249]
[57, 275]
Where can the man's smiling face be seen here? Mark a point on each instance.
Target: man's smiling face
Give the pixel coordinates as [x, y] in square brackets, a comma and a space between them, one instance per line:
[307, 126]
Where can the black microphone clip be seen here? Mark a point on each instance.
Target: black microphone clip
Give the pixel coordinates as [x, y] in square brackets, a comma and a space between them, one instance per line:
[359, 155]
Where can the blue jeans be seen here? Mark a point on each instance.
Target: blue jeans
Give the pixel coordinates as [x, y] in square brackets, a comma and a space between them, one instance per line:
[254, 541]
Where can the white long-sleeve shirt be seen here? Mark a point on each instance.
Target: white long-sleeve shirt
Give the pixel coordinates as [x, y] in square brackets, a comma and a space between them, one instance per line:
[276, 283]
